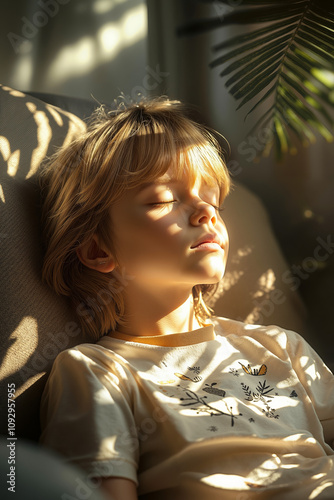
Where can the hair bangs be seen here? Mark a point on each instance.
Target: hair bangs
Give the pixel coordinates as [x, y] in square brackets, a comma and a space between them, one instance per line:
[156, 145]
[203, 160]
[147, 155]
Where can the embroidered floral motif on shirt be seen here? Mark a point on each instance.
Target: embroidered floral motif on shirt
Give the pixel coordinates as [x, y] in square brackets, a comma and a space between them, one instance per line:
[214, 390]
[256, 372]
[185, 377]
[258, 391]
[195, 369]
[234, 372]
[261, 395]
[193, 399]
[213, 428]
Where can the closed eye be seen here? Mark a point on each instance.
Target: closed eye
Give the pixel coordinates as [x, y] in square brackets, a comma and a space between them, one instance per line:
[162, 203]
[159, 203]
[219, 209]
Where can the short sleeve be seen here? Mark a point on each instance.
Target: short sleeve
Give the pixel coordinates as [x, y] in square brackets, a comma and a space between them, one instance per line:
[86, 413]
[318, 381]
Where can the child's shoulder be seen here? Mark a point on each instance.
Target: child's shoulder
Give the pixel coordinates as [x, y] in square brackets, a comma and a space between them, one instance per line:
[267, 335]
[87, 354]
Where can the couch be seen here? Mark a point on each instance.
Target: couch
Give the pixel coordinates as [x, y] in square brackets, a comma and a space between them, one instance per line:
[35, 323]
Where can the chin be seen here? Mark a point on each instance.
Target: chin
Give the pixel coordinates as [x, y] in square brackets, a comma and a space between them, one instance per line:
[212, 279]
[214, 273]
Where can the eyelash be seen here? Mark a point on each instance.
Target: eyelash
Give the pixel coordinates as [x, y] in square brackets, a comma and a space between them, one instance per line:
[157, 203]
[219, 209]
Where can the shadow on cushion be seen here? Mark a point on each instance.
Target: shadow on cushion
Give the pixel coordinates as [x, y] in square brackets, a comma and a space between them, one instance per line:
[35, 324]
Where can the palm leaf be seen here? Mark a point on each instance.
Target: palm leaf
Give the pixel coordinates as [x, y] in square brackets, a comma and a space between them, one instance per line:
[284, 63]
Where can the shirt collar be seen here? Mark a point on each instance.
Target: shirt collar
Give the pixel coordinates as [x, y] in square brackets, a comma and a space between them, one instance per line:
[203, 334]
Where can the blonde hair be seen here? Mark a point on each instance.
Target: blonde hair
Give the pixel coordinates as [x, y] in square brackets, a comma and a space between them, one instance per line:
[121, 149]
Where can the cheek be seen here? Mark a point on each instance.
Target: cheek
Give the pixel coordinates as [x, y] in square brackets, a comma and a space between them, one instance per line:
[139, 238]
[221, 228]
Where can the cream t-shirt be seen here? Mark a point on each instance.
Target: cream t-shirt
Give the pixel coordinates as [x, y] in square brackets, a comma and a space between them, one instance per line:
[229, 411]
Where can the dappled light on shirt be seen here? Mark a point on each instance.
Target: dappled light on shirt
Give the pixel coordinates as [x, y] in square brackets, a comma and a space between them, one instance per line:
[309, 368]
[319, 489]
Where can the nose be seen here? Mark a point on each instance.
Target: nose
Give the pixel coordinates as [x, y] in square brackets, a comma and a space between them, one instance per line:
[203, 214]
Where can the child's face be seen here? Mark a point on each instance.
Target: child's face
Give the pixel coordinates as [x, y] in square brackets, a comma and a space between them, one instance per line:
[169, 233]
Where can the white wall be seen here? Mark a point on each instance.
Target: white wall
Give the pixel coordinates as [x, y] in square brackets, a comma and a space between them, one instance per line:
[74, 47]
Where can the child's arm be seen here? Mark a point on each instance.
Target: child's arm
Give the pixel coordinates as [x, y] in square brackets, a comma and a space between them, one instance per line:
[86, 415]
[117, 488]
[318, 382]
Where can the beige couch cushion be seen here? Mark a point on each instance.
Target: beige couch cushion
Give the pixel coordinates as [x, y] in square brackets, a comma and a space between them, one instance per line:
[36, 324]
[254, 288]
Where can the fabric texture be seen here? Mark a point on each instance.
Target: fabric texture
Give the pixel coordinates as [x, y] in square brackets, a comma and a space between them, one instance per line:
[35, 324]
[226, 409]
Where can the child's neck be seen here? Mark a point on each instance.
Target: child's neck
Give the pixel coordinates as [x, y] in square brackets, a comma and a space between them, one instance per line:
[159, 313]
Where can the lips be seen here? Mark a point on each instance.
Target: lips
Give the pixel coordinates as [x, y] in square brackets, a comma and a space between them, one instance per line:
[207, 240]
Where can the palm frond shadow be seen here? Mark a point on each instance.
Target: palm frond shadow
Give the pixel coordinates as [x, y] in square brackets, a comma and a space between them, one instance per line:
[283, 66]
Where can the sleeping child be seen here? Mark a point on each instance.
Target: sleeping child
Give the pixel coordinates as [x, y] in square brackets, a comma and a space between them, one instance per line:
[169, 401]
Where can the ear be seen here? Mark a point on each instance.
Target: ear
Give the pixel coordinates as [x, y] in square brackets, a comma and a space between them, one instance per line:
[92, 255]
